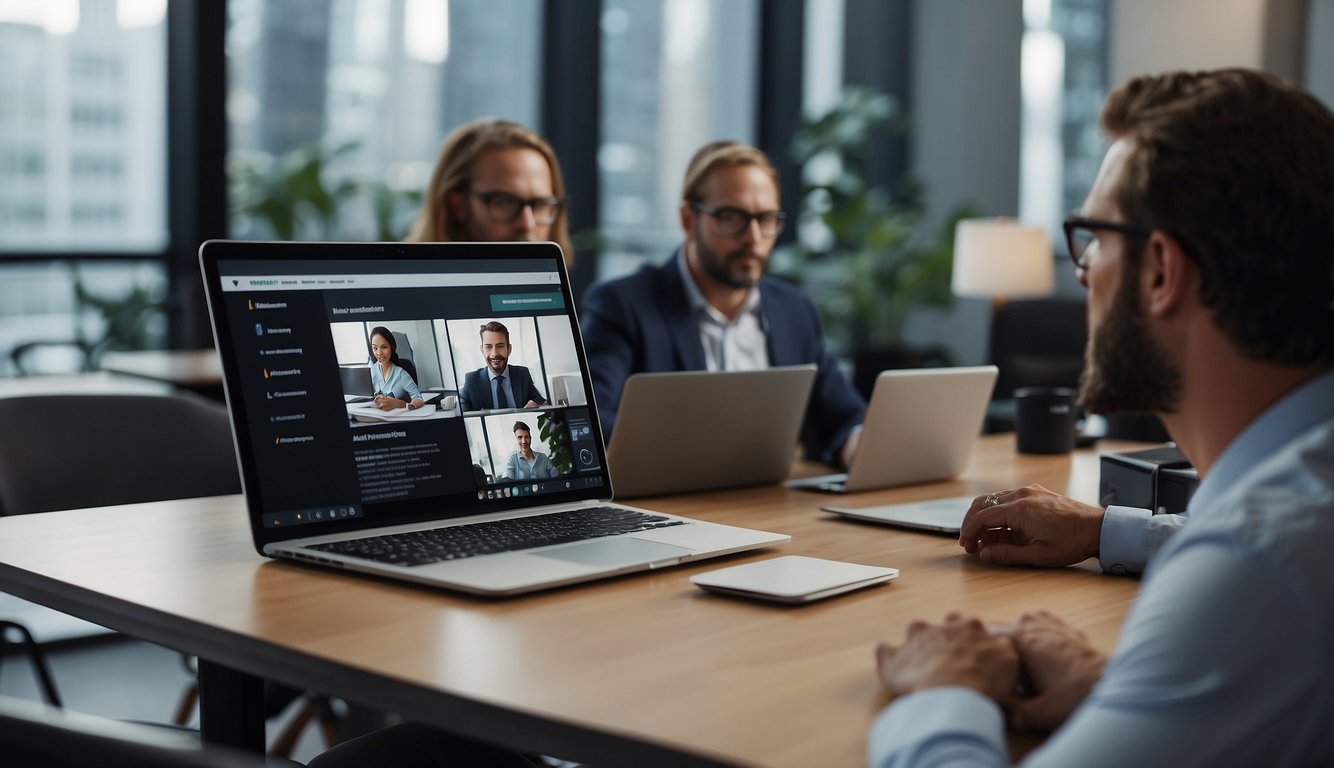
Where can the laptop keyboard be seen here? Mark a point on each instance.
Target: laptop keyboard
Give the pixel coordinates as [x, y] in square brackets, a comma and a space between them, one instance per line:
[460, 541]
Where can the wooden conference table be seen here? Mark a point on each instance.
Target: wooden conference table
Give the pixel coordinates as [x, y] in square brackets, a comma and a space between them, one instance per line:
[640, 670]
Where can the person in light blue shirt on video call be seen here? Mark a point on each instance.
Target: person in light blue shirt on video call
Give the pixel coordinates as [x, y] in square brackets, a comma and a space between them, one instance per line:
[525, 463]
[1205, 244]
[394, 388]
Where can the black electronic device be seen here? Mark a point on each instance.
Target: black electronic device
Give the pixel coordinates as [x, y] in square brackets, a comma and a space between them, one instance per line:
[1158, 479]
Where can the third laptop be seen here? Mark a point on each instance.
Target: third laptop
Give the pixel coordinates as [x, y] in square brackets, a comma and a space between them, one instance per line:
[921, 425]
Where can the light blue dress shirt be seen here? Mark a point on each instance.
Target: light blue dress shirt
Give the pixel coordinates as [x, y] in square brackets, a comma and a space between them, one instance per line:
[740, 344]
[518, 468]
[398, 384]
[1226, 656]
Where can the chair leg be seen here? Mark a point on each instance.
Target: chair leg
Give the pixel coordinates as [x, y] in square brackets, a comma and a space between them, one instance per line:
[190, 696]
[286, 741]
[27, 643]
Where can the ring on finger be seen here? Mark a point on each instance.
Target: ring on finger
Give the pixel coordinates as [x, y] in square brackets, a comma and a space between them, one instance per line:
[993, 498]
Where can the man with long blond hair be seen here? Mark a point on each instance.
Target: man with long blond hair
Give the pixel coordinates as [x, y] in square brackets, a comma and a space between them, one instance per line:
[495, 181]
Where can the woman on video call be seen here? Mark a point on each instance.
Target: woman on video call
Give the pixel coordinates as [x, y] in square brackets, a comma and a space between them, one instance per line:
[394, 388]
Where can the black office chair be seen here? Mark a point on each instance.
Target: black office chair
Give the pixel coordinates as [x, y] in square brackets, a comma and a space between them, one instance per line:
[35, 735]
[1040, 343]
[85, 450]
[88, 450]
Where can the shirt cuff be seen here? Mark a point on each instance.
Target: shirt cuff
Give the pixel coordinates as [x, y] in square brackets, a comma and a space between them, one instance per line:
[951, 719]
[1123, 547]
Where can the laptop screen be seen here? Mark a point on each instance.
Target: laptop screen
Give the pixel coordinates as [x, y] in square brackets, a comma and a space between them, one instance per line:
[481, 338]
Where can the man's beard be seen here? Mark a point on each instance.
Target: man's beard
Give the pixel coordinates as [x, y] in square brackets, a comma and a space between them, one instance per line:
[716, 267]
[1125, 370]
[497, 363]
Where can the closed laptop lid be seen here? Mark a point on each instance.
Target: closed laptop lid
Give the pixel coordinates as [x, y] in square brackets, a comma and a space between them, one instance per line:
[291, 320]
[921, 425]
[697, 430]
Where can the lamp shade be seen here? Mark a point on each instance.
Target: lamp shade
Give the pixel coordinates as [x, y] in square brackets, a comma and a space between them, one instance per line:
[1001, 258]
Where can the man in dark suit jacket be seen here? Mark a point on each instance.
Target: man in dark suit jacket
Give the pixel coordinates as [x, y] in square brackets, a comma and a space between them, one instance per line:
[710, 307]
[499, 384]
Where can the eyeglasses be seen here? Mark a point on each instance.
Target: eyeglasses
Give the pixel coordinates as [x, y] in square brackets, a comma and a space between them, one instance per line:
[731, 222]
[503, 207]
[1079, 235]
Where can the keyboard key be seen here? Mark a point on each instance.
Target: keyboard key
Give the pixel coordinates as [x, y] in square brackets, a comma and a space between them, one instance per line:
[460, 541]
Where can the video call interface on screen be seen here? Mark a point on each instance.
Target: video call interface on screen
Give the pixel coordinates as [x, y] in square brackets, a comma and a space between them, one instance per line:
[326, 452]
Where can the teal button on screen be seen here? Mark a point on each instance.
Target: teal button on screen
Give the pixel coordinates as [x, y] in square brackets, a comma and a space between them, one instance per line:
[526, 302]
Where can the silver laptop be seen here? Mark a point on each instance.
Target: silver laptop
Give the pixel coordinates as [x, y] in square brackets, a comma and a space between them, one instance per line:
[696, 430]
[934, 515]
[920, 426]
[428, 495]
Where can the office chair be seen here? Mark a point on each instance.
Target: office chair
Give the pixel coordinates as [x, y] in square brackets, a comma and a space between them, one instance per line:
[1040, 343]
[88, 450]
[35, 735]
[406, 356]
[1035, 343]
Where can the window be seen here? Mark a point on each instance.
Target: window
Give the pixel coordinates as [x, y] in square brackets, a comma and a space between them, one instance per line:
[1064, 75]
[377, 84]
[74, 73]
[83, 169]
[675, 75]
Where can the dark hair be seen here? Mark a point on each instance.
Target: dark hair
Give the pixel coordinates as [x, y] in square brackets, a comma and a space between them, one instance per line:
[1238, 166]
[388, 336]
[495, 327]
[518, 425]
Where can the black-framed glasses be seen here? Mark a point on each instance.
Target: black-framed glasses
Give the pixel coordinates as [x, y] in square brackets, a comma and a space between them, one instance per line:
[731, 222]
[503, 207]
[1079, 235]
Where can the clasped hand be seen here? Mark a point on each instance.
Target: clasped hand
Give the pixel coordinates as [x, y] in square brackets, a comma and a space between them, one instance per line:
[1038, 671]
[388, 402]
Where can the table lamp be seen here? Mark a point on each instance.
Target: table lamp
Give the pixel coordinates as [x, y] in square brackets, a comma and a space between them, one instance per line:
[1001, 259]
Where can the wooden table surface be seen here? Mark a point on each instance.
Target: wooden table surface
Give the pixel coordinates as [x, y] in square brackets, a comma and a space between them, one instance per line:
[637, 670]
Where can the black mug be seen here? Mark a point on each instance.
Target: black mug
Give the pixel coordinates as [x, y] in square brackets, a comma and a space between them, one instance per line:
[1044, 419]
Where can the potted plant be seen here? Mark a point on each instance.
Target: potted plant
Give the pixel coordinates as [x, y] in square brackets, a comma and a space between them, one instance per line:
[298, 196]
[862, 254]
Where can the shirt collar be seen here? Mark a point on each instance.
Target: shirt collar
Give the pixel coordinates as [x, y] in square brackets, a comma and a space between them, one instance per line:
[699, 304]
[493, 375]
[1306, 406]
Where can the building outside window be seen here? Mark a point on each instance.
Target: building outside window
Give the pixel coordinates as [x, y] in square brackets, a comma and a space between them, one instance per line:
[82, 165]
[676, 74]
[384, 79]
[1064, 77]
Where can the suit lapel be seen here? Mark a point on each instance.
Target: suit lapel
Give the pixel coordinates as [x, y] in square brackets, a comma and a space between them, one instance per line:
[778, 331]
[676, 314]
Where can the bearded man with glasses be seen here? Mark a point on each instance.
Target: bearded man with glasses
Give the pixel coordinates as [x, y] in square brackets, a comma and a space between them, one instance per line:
[1205, 245]
[711, 307]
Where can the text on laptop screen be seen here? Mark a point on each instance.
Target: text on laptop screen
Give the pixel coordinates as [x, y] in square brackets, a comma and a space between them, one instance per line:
[488, 346]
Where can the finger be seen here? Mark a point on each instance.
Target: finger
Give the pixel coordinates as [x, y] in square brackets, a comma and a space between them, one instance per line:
[1002, 536]
[884, 652]
[1039, 713]
[976, 521]
[1011, 554]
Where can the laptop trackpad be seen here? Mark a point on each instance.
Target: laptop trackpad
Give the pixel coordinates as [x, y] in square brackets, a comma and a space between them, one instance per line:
[613, 552]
